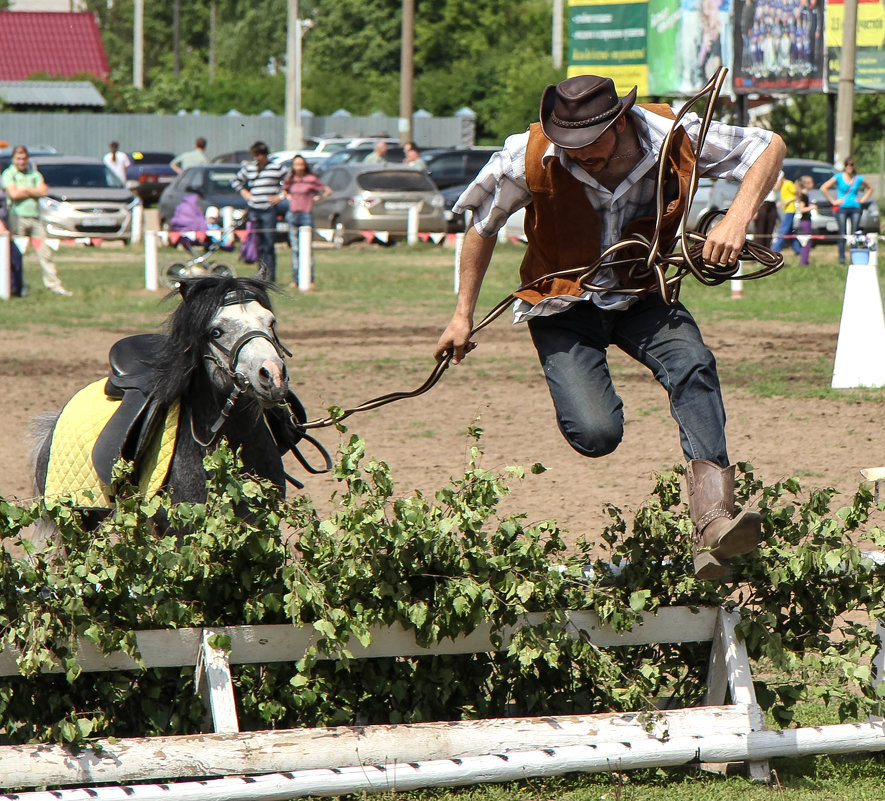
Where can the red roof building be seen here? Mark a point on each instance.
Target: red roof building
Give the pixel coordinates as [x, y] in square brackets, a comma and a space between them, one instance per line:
[53, 42]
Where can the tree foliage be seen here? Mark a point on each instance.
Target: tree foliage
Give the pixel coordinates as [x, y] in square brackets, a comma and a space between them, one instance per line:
[491, 56]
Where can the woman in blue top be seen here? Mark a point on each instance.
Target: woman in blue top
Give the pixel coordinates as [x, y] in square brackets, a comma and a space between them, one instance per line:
[847, 204]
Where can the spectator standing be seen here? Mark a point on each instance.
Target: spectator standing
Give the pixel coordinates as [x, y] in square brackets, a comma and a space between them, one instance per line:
[24, 185]
[301, 187]
[117, 161]
[804, 207]
[586, 173]
[413, 157]
[191, 158]
[788, 214]
[378, 155]
[848, 205]
[260, 184]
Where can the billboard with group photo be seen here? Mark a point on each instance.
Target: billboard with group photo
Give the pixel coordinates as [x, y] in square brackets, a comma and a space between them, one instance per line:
[778, 46]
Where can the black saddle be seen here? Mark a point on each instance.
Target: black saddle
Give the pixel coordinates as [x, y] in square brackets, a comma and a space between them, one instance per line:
[133, 424]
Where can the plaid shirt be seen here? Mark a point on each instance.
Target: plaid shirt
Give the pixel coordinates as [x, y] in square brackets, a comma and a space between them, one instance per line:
[501, 188]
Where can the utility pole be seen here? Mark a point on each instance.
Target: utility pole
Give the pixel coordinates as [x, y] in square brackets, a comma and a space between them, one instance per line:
[556, 41]
[294, 129]
[213, 26]
[138, 46]
[845, 100]
[406, 70]
[176, 38]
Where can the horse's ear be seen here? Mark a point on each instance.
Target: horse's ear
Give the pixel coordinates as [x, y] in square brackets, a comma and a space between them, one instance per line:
[186, 289]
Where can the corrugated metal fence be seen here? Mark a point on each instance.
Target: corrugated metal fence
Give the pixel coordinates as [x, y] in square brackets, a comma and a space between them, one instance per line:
[89, 134]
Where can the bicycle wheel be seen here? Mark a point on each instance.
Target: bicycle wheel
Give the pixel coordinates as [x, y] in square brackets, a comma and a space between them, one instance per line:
[172, 274]
[221, 270]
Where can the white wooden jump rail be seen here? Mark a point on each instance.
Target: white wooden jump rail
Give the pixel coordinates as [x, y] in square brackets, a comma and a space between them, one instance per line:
[228, 752]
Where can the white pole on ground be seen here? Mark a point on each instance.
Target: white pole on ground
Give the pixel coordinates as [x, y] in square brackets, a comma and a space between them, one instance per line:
[137, 224]
[5, 267]
[151, 270]
[459, 243]
[412, 226]
[861, 340]
[737, 286]
[305, 257]
[507, 766]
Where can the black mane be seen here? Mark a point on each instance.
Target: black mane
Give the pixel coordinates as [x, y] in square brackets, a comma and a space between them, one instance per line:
[187, 327]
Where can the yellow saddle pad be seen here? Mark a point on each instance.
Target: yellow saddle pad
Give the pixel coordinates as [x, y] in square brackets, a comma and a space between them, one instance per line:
[70, 470]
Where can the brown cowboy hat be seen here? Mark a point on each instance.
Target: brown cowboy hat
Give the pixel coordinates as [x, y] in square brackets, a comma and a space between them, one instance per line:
[577, 111]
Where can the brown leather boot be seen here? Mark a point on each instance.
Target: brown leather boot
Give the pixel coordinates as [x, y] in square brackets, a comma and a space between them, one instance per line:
[718, 534]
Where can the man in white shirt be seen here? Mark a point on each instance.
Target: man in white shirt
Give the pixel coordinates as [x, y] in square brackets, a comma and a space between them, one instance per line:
[117, 161]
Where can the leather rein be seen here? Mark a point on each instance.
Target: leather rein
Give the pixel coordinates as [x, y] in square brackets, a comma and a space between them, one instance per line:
[665, 270]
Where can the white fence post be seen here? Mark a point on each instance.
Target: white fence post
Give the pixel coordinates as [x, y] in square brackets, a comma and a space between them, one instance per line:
[151, 270]
[305, 257]
[412, 225]
[137, 228]
[5, 267]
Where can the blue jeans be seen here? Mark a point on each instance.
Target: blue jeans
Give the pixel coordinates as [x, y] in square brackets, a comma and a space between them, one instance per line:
[264, 222]
[844, 217]
[295, 220]
[572, 348]
[784, 231]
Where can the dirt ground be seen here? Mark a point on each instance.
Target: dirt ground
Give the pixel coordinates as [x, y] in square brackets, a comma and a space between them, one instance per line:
[424, 440]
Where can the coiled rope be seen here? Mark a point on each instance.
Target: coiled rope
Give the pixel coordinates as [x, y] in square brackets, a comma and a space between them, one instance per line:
[657, 271]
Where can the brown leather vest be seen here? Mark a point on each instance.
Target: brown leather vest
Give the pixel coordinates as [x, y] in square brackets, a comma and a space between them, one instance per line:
[562, 227]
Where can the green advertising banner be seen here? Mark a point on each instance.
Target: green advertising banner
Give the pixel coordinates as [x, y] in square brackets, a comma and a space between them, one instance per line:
[607, 38]
[663, 47]
[665, 70]
[869, 71]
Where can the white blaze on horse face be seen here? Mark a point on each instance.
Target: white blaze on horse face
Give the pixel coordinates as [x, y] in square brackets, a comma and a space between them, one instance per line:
[258, 359]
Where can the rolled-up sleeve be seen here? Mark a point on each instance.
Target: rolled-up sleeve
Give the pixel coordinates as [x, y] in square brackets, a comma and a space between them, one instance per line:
[728, 151]
[499, 189]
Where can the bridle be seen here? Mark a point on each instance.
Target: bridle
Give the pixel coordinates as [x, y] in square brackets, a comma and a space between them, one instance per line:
[228, 366]
[663, 271]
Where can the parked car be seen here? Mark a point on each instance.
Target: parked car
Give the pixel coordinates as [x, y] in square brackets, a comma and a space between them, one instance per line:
[377, 197]
[456, 166]
[285, 157]
[454, 222]
[148, 174]
[33, 150]
[355, 155]
[235, 157]
[85, 199]
[211, 182]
